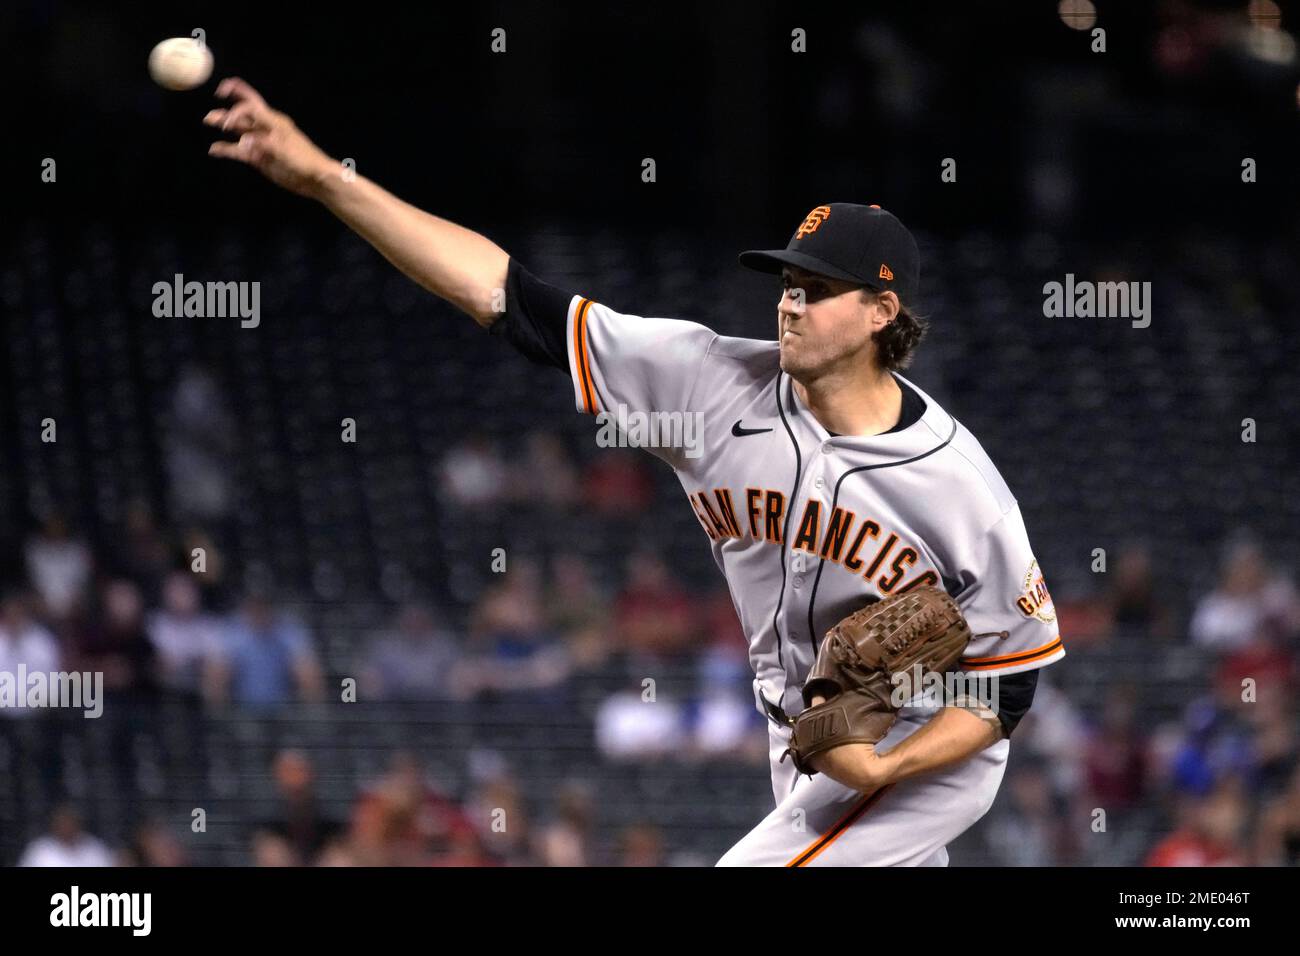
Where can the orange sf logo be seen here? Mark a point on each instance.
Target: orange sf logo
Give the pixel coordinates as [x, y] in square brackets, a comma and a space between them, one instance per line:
[813, 221]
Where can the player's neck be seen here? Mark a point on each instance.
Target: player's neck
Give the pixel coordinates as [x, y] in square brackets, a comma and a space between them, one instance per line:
[854, 404]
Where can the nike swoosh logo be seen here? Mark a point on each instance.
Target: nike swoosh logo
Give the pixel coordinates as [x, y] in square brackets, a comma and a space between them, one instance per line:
[742, 432]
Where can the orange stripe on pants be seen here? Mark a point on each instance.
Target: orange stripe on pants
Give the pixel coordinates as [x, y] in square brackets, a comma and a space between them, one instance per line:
[841, 827]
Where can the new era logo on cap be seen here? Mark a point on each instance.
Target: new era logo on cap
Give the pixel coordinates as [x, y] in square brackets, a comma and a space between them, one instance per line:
[866, 245]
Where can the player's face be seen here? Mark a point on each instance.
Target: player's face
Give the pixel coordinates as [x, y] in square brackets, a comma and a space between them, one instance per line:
[823, 324]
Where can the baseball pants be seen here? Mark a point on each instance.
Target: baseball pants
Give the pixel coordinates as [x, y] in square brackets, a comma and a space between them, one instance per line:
[818, 822]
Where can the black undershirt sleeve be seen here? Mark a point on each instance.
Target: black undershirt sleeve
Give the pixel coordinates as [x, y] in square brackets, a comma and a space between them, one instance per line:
[1015, 694]
[536, 318]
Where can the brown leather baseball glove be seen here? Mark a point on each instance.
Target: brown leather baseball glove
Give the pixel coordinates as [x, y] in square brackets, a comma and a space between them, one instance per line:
[856, 663]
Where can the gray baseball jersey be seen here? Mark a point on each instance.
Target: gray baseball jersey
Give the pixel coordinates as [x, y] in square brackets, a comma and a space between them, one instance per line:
[807, 527]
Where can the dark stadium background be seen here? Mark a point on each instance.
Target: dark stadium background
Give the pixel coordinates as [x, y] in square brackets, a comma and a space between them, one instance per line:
[176, 433]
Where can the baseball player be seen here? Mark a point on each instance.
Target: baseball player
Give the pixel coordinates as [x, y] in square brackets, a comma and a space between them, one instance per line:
[823, 480]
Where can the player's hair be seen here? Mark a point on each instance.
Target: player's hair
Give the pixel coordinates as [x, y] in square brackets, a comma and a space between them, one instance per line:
[896, 342]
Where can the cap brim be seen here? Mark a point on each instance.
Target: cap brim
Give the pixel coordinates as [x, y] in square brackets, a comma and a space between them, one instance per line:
[771, 261]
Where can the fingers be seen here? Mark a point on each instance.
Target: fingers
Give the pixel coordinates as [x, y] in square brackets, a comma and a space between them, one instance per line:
[223, 150]
[232, 87]
[246, 116]
[240, 119]
[248, 149]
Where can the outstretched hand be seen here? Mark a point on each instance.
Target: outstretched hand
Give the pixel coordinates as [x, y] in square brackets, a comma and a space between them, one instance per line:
[268, 140]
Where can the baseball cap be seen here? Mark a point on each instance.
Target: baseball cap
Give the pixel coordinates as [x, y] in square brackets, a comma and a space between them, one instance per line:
[863, 244]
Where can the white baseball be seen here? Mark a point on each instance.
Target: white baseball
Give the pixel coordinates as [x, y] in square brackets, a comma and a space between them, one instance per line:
[180, 63]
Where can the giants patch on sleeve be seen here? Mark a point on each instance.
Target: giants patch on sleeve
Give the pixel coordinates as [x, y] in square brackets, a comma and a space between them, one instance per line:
[1034, 601]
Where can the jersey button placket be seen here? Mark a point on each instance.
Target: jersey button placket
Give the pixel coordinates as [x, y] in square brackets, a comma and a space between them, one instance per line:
[800, 561]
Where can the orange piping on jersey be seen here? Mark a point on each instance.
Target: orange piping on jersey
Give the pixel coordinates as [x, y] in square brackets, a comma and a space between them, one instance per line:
[577, 355]
[580, 356]
[838, 830]
[1008, 660]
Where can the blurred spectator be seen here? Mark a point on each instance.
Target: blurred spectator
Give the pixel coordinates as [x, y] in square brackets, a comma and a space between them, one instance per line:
[116, 643]
[1210, 834]
[721, 623]
[1054, 732]
[724, 718]
[1261, 660]
[473, 474]
[1132, 603]
[211, 575]
[498, 810]
[414, 660]
[1278, 839]
[1026, 825]
[641, 723]
[298, 819]
[617, 484]
[153, 844]
[402, 820]
[59, 565]
[23, 642]
[641, 845]
[1116, 759]
[657, 713]
[722, 715]
[1216, 746]
[337, 852]
[187, 645]
[143, 554]
[66, 844]
[512, 650]
[267, 659]
[199, 442]
[186, 639]
[270, 849]
[1250, 599]
[567, 839]
[654, 613]
[30, 749]
[1274, 745]
[548, 478]
[577, 610]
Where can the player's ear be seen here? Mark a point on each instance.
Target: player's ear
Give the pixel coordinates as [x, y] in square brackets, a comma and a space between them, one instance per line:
[884, 308]
[890, 306]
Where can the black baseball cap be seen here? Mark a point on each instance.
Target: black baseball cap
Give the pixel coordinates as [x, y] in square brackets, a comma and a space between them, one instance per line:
[863, 244]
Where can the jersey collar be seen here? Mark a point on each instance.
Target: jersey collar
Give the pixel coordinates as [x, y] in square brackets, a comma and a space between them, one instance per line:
[934, 427]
